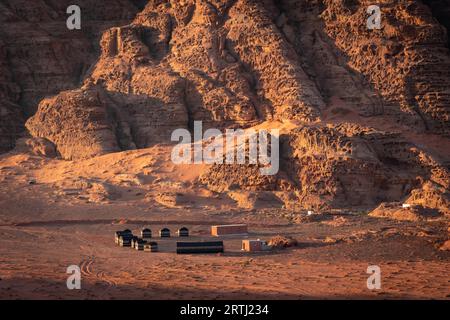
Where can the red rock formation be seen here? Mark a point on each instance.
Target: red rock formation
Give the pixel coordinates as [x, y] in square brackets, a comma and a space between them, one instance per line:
[78, 122]
[431, 195]
[341, 166]
[348, 165]
[238, 63]
[407, 60]
[190, 62]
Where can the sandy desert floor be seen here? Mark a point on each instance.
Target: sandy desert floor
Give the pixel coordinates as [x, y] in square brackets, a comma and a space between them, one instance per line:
[58, 213]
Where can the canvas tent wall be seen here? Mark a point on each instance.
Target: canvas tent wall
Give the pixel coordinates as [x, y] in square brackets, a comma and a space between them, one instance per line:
[200, 247]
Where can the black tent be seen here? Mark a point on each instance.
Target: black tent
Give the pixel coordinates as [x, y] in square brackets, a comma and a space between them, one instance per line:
[164, 233]
[146, 233]
[183, 232]
[151, 247]
[200, 247]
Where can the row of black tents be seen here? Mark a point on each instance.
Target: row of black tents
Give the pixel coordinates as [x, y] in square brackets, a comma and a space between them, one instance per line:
[126, 238]
[164, 233]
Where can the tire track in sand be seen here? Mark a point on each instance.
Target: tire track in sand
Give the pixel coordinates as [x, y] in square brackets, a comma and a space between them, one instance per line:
[88, 271]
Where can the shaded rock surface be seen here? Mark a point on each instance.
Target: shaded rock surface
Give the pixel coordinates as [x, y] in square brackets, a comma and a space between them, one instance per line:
[254, 200]
[145, 71]
[431, 195]
[40, 57]
[36, 146]
[11, 118]
[407, 60]
[396, 212]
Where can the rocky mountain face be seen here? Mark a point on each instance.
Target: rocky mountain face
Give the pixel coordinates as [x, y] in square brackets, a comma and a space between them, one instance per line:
[193, 61]
[238, 63]
[347, 165]
[40, 57]
[407, 61]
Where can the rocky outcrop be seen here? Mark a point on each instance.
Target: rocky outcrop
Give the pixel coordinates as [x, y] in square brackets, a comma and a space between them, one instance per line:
[255, 200]
[128, 101]
[407, 60]
[193, 61]
[303, 27]
[395, 211]
[36, 146]
[340, 166]
[78, 122]
[400, 70]
[433, 196]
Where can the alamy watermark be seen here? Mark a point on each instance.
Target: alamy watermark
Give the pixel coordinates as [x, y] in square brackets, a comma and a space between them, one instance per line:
[73, 22]
[234, 147]
[74, 280]
[374, 21]
[374, 280]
